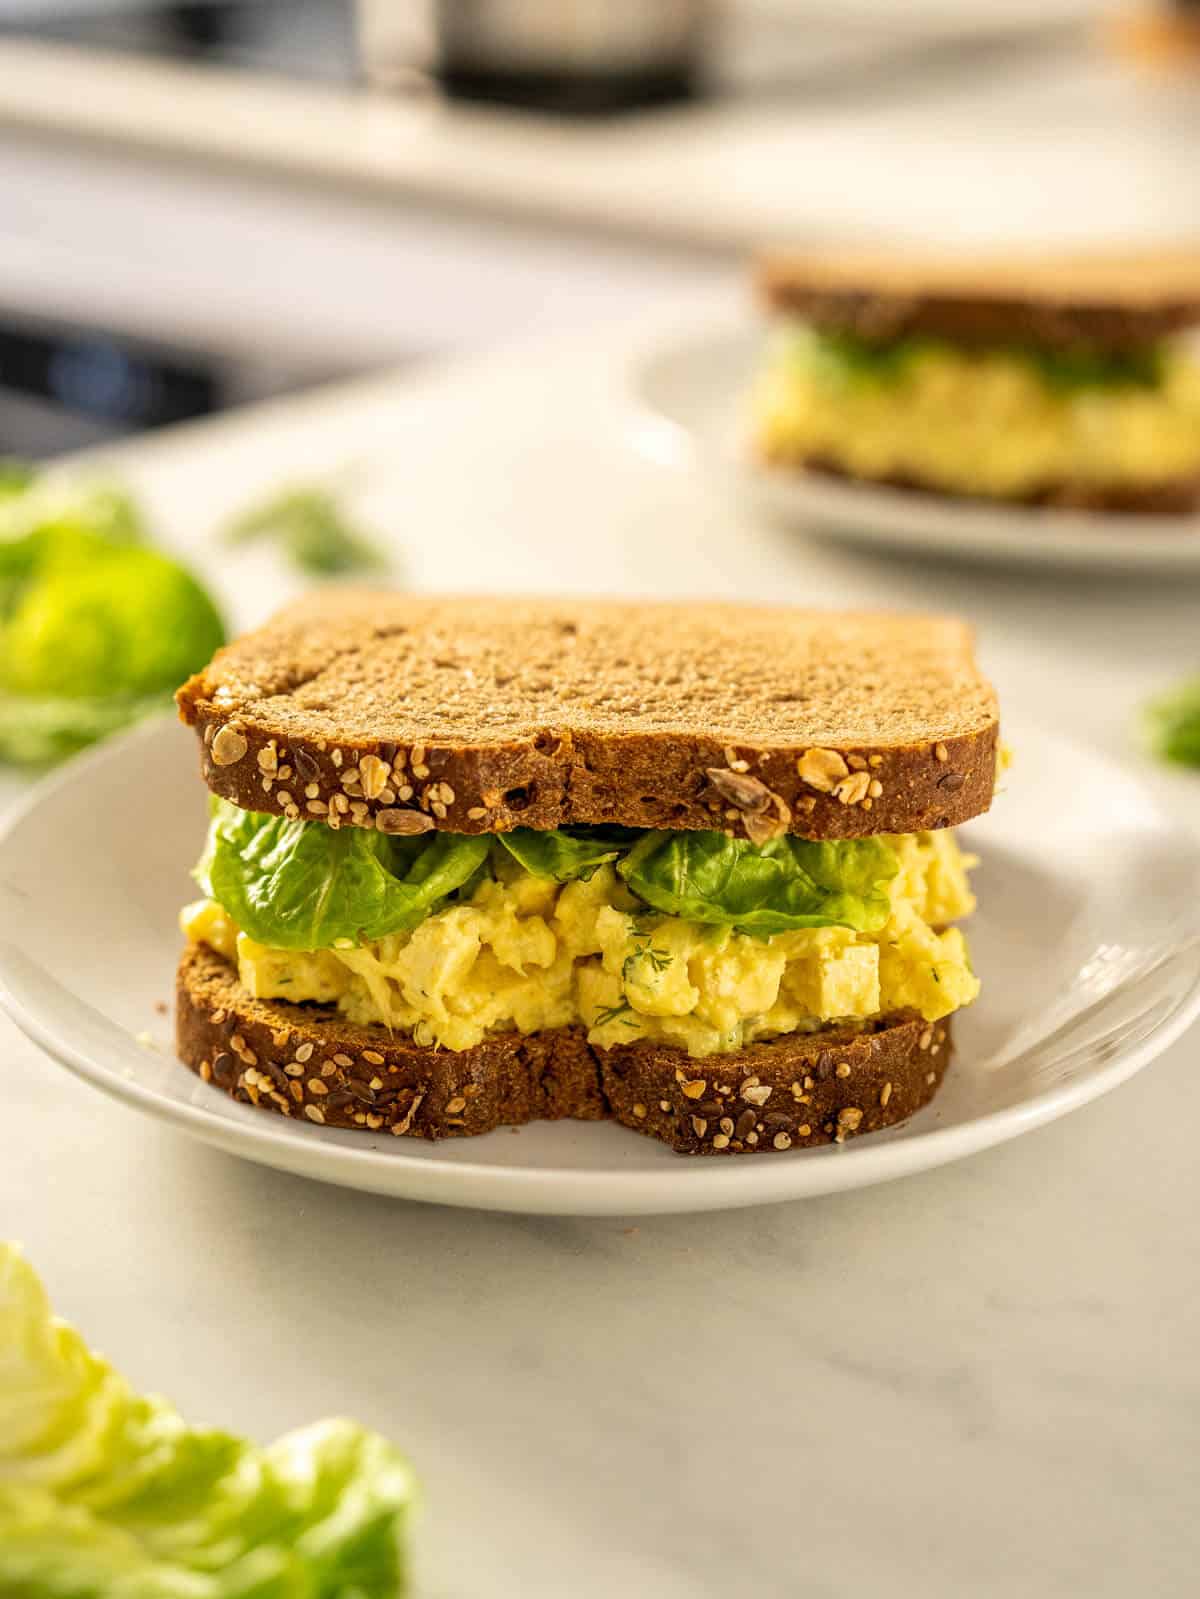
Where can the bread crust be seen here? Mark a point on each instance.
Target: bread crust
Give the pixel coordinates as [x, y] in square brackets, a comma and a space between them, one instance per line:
[308, 1061]
[352, 711]
[1114, 302]
[1149, 499]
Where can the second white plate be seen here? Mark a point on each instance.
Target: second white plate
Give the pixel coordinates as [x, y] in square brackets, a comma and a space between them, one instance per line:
[690, 392]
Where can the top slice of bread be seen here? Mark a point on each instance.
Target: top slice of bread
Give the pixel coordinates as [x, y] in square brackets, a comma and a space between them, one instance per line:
[1114, 300]
[412, 712]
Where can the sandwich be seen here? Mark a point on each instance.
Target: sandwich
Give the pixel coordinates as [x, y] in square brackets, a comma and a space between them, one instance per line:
[1044, 381]
[475, 862]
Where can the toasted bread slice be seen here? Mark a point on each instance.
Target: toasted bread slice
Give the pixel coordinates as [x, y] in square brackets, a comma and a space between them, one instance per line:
[479, 715]
[309, 1062]
[1115, 301]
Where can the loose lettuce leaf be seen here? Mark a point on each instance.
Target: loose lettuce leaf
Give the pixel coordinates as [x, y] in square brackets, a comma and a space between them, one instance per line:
[763, 888]
[1173, 724]
[563, 853]
[109, 1494]
[302, 885]
[316, 535]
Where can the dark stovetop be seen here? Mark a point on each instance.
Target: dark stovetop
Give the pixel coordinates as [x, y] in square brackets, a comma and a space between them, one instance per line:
[294, 38]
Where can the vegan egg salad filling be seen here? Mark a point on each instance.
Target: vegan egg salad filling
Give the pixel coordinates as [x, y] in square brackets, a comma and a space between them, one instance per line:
[999, 420]
[555, 930]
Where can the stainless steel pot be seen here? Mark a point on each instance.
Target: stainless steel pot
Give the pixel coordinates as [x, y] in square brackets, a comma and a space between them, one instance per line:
[589, 37]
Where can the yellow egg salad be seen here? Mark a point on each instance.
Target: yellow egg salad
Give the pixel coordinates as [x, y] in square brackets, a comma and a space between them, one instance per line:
[525, 952]
[992, 421]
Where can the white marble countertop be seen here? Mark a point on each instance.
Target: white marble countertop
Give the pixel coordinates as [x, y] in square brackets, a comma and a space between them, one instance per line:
[981, 1380]
[1067, 143]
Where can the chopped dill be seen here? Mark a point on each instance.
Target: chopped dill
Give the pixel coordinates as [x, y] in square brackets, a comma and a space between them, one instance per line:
[611, 1013]
[659, 959]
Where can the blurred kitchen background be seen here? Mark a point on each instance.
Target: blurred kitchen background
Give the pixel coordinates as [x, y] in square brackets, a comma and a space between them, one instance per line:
[214, 202]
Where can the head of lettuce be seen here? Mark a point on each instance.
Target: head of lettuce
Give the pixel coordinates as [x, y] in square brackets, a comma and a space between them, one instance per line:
[96, 628]
[106, 1493]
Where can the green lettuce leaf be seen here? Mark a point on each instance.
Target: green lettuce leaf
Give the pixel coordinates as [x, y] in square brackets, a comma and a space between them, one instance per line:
[563, 853]
[109, 1494]
[302, 885]
[1173, 724]
[837, 356]
[313, 531]
[763, 888]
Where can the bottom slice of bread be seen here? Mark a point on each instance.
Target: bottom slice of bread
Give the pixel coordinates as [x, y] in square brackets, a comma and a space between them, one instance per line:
[309, 1061]
[1172, 498]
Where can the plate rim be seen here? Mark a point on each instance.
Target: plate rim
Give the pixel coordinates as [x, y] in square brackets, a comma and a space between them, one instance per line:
[839, 509]
[567, 1190]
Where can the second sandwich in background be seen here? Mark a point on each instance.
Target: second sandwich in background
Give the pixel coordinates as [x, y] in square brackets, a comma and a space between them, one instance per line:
[1052, 380]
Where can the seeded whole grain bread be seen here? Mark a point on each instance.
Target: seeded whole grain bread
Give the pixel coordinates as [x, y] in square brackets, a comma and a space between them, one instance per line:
[410, 713]
[1141, 499]
[308, 1061]
[1113, 300]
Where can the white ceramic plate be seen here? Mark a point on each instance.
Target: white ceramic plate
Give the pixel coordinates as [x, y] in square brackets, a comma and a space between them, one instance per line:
[1086, 940]
[690, 393]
